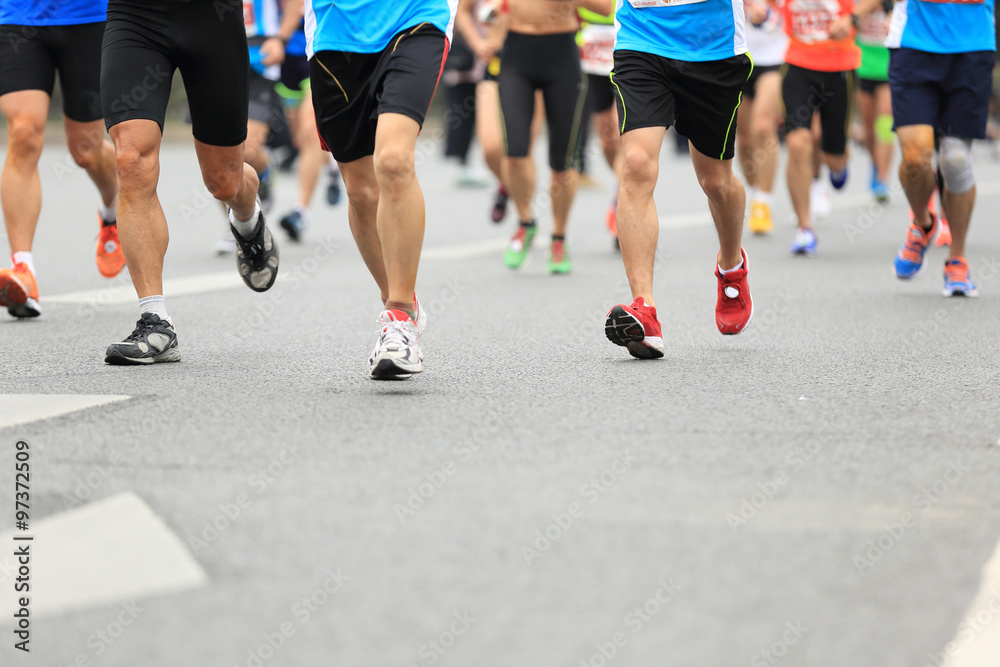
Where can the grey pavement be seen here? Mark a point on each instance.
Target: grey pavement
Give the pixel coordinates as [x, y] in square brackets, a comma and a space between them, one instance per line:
[536, 497]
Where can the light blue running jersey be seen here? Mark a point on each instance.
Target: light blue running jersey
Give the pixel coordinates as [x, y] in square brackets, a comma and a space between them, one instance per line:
[52, 12]
[367, 26]
[943, 27]
[690, 30]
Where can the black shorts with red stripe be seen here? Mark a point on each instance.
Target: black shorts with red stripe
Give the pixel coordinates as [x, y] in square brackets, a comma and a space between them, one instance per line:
[351, 90]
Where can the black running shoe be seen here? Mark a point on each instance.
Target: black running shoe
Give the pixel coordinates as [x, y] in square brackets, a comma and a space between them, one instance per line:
[294, 225]
[499, 211]
[333, 189]
[152, 341]
[257, 257]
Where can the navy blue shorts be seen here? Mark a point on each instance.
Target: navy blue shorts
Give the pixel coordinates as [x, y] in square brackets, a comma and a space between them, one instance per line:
[948, 91]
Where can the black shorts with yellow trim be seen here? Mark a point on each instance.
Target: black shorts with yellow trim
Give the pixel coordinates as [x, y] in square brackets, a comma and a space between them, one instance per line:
[700, 98]
[805, 91]
[351, 90]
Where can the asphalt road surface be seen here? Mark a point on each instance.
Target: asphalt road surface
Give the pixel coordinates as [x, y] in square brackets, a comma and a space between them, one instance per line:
[820, 491]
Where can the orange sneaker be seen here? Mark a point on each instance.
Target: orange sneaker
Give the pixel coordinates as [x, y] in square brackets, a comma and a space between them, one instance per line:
[110, 258]
[19, 291]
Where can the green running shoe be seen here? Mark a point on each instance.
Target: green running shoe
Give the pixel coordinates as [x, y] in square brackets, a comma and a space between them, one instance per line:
[559, 258]
[520, 243]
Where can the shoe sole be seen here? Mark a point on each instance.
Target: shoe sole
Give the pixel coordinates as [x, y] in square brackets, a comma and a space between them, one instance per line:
[14, 295]
[624, 329]
[387, 369]
[971, 294]
[116, 358]
[293, 234]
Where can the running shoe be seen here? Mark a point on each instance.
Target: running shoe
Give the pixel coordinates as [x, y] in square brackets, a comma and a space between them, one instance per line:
[421, 320]
[819, 201]
[110, 258]
[957, 280]
[611, 220]
[295, 224]
[257, 257]
[333, 188]
[397, 353]
[500, 199]
[804, 242]
[944, 233]
[838, 179]
[266, 190]
[559, 261]
[734, 306]
[881, 192]
[910, 258]
[760, 218]
[152, 341]
[520, 243]
[635, 328]
[19, 291]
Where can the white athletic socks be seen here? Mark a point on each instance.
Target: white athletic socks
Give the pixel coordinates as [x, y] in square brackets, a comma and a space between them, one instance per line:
[108, 213]
[735, 268]
[245, 227]
[155, 304]
[24, 257]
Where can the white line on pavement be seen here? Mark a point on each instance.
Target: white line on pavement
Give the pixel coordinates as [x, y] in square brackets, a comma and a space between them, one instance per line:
[977, 640]
[110, 551]
[23, 408]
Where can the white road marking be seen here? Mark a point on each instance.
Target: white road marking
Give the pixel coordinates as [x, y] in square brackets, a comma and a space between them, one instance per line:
[114, 550]
[23, 408]
[977, 640]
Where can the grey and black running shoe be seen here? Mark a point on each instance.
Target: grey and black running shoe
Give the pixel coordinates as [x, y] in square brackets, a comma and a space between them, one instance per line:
[152, 341]
[257, 257]
[397, 353]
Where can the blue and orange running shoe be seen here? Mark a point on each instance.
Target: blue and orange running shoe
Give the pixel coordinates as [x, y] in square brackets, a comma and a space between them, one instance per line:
[957, 281]
[910, 258]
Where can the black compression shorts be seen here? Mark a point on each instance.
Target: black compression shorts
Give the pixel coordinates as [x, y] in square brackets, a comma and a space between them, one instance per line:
[600, 93]
[31, 55]
[351, 90]
[550, 63]
[831, 93]
[146, 40]
[702, 97]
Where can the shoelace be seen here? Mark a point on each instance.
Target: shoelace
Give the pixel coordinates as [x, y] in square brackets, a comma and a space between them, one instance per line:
[956, 272]
[395, 331]
[140, 329]
[916, 243]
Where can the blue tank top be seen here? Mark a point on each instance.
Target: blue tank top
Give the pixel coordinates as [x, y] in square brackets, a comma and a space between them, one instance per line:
[943, 27]
[367, 26]
[689, 30]
[52, 12]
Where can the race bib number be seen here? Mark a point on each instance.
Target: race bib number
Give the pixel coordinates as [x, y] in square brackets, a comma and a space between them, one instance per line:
[811, 19]
[650, 4]
[597, 51]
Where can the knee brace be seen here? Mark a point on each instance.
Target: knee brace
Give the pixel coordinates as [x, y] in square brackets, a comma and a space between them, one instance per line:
[955, 162]
[883, 129]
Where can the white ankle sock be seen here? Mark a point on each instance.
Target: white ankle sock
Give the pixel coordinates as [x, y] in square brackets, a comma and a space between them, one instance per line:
[155, 304]
[245, 227]
[24, 257]
[735, 268]
[763, 197]
[109, 213]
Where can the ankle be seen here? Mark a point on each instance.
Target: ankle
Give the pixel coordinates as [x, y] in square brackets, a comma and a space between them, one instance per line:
[408, 308]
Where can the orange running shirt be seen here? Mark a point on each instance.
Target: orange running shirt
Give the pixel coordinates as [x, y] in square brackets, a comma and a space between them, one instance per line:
[807, 23]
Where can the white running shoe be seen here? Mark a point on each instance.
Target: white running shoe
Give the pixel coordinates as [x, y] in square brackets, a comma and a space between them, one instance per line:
[421, 316]
[819, 200]
[397, 353]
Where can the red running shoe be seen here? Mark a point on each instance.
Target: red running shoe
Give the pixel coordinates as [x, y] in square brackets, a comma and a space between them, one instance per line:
[636, 328]
[734, 308]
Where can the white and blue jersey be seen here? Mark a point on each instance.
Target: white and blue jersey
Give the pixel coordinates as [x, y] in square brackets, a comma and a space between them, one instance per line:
[262, 19]
[367, 26]
[689, 30]
[961, 26]
[52, 12]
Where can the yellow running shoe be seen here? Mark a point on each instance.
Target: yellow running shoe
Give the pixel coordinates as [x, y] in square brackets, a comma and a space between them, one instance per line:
[760, 218]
